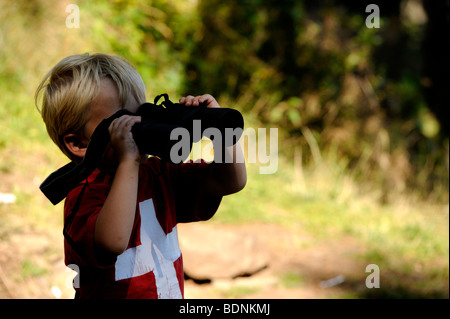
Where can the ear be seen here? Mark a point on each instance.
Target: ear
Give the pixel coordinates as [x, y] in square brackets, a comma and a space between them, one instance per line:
[75, 144]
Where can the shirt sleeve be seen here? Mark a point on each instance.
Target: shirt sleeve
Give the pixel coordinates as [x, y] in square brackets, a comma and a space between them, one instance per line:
[81, 210]
[188, 181]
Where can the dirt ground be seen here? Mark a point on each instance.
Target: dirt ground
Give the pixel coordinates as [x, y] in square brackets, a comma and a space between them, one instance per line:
[300, 267]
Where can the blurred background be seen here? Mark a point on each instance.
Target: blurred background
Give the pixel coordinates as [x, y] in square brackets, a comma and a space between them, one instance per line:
[363, 136]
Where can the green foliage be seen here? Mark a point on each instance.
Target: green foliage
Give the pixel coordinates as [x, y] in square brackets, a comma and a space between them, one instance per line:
[319, 67]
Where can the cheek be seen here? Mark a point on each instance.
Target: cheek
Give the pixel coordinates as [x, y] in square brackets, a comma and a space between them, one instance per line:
[89, 128]
[132, 105]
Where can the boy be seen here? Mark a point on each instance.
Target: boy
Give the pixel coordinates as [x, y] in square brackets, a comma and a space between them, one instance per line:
[120, 223]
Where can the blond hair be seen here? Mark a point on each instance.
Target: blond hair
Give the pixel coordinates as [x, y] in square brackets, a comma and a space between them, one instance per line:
[71, 85]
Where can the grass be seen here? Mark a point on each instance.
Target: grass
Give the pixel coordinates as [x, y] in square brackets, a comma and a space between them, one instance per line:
[407, 238]
[291, 280]
[237, 291]
[30, 269]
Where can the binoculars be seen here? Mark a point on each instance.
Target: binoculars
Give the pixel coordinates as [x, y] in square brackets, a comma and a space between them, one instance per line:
[156, 135]
[162, 124]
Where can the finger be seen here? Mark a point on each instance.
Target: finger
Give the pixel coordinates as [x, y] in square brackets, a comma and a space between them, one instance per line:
[205, 98]
[131, 119]
[112, 126]
[209, 100]
[202, 99]
[188, 100]
[125, 121]
[118, 123]
[129, 122]
[195, 101]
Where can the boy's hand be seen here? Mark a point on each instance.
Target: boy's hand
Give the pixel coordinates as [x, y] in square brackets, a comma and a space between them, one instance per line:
[121, 138]
[207, 99]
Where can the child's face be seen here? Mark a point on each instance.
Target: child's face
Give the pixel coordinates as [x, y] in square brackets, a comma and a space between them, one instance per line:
[103, 106]
[106, 104]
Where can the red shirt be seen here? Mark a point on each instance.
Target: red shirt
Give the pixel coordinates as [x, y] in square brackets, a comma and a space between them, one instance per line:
[152, 265]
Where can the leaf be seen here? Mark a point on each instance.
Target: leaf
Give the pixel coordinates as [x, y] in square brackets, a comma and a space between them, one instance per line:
[294, 116]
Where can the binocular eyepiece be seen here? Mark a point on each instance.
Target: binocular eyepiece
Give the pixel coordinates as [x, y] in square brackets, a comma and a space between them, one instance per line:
[157, 134]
